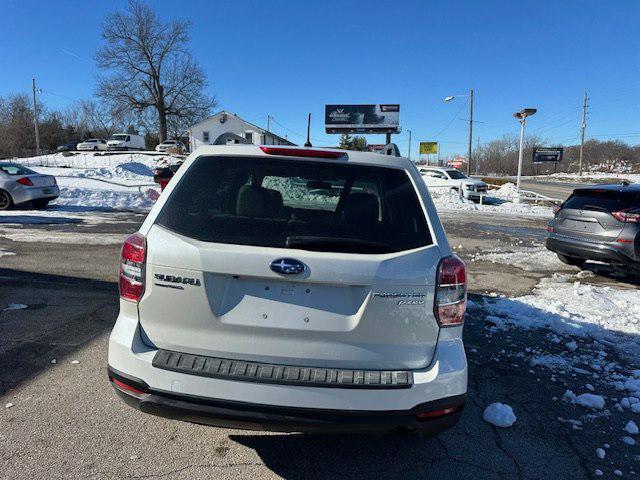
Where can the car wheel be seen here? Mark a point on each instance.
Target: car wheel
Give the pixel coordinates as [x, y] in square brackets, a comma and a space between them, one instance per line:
[6, 202]
[95, 149]
[40, 203]
[576, 262]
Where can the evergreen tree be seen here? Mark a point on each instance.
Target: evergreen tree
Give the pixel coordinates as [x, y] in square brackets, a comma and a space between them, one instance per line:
[346, 141]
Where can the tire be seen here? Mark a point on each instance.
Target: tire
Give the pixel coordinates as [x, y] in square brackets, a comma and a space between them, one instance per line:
[6, 202]
[95, 149]
[576, 262]
[40, 203]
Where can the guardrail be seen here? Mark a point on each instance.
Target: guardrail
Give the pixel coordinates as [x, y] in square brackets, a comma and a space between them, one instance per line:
[528, 195]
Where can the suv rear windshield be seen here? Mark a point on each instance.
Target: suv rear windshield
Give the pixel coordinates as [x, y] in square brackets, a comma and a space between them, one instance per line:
[297, 204]
[601, 199]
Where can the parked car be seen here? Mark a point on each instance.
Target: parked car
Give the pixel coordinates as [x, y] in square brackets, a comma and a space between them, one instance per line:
[248, 299]
[92, 144]
[68, 147]
[171, 146]
[599, 223]
[450, 177]
[126, 141]
[164, 174]
[20, 185]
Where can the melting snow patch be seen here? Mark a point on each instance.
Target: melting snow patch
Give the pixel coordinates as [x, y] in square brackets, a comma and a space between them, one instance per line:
[588, 400]
[14, 306]
[529, 259]
[499, 414]
[631, 428]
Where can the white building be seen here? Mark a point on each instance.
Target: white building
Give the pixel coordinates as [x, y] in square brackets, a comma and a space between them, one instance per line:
[212, 130]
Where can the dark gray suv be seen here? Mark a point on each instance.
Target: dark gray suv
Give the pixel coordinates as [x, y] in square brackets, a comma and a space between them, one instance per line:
[599, 223]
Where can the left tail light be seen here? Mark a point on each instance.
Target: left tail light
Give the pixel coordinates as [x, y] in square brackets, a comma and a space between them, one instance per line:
[451, 292]
[25, 181]
[132, 263]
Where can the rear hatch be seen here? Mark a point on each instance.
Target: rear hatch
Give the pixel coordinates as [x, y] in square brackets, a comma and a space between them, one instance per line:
[587, 214]
[362, 297]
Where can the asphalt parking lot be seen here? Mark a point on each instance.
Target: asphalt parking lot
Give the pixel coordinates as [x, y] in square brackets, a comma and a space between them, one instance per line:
[65, 422]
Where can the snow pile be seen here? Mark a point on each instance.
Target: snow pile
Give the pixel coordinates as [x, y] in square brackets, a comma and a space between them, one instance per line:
[588, 400]
[526, 258]
[125, 171]
[101, 198]
[451, 201]
[499, 414]
[113, 187]
[92, 160]
[508, 190]
[591, 177]
[293, 190]
[569, 307]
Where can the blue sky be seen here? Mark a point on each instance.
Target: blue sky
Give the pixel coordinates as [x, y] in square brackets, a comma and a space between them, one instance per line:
[289, 58]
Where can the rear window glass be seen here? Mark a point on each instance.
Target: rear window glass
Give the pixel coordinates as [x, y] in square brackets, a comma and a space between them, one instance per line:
[603, 200]
[15, 169]
[297, 204]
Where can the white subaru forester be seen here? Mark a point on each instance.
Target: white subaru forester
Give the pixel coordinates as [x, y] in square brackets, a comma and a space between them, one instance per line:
[292, 289]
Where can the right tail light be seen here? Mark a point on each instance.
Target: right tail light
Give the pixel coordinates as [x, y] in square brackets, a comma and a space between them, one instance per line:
[451, 292]
[627, 216]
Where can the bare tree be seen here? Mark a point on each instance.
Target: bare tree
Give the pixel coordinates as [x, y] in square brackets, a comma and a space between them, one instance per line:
[150, 66]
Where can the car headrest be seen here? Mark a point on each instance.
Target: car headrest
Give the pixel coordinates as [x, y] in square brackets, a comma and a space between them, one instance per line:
[361, 209]
[251, 201]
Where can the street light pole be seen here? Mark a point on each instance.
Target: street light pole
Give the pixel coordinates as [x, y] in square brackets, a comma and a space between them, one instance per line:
[409, 155]
[522, 118]
[470, 132]
[523, 122]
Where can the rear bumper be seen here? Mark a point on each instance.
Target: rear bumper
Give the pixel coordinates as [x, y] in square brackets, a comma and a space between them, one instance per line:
[252, 416]
[282, 407]
[24, 195]
[602, 252]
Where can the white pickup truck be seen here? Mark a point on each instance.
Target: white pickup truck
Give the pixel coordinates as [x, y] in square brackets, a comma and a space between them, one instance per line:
[441, 177]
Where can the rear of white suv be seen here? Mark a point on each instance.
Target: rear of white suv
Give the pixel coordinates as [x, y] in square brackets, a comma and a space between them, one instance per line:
[292, 290]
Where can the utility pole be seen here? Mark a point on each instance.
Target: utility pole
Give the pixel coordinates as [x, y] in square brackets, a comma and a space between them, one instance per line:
[470, 131]
[409, 155]
[268, 118]
[477, 150]
[584, 125]
[35, 116]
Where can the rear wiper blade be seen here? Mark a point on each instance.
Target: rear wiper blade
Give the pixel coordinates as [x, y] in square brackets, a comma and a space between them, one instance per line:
[351, 244]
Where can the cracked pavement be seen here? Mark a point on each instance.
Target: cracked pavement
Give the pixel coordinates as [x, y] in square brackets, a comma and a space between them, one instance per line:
[67, 423]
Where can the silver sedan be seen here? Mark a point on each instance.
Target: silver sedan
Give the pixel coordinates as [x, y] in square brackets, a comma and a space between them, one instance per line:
[19, 185]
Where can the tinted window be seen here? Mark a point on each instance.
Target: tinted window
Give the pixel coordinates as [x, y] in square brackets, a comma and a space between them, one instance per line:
[603, 199]
[297, 204]
[456, 175]
[13, 169]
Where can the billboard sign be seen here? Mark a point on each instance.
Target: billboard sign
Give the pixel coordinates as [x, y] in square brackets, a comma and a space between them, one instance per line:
[428, 147]
[547, 154]
[362, 118]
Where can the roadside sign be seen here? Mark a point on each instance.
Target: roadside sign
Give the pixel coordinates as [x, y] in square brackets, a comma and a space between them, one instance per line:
[428, 147]
[547, 154]
[362, 118]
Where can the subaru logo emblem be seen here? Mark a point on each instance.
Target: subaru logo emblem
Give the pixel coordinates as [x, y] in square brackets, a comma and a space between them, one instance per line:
[287, 266]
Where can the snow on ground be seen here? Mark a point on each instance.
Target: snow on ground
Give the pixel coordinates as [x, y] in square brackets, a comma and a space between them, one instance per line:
[567, 306]
[527, 258]
[452, 202]
[499, 414]
[590, 177]
[121, 182]
[55, 236]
